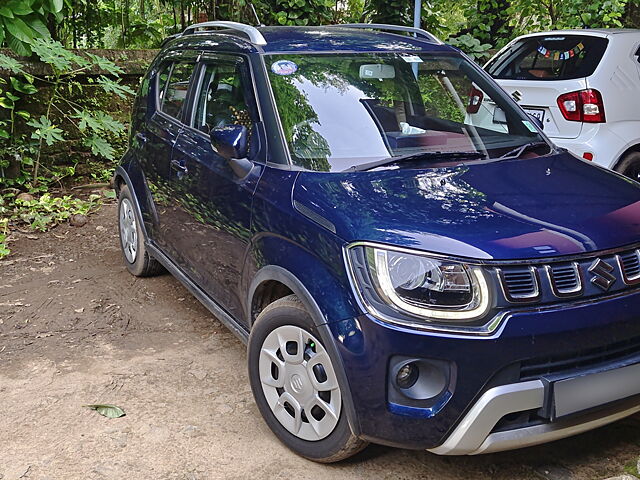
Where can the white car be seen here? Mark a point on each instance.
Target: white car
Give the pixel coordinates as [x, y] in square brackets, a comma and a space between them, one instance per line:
[583, 86]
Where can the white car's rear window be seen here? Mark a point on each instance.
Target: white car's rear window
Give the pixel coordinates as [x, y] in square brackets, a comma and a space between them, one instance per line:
[552, 57]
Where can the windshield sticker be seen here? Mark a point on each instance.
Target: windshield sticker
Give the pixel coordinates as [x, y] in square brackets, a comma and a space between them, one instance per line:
[530, 126]
[412, 58]
[284, 67]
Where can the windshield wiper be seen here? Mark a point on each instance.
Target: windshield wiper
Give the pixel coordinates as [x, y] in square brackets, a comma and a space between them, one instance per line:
[516, 152]
[431, 156]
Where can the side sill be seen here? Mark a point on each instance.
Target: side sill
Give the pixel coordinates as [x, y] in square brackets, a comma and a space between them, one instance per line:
[226, 319]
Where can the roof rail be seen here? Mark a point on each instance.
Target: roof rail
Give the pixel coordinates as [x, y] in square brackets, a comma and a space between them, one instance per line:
[253, 33]
[396, 28]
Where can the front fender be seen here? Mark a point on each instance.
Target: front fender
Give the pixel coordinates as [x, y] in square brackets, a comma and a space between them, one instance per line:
[318, 277]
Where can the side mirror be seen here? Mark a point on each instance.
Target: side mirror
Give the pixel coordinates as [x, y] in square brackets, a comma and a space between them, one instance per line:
[536, 121]
[230, 141]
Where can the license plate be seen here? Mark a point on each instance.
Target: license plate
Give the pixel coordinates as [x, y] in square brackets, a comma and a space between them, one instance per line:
[581, 393]
[535, 112]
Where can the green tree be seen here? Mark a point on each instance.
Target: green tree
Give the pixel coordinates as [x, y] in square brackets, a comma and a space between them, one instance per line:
[22, 21]
[395, 12]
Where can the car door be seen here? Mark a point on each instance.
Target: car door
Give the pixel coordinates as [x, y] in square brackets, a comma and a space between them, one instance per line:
[215, 201]
[159, 138]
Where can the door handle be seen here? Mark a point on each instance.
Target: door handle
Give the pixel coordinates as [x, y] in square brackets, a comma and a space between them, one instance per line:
[142, 139]
[180, 167]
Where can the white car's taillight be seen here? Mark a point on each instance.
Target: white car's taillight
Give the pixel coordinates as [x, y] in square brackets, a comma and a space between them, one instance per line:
[582, 106]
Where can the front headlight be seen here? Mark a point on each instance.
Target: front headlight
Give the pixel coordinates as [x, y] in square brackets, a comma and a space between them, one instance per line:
[434, 290]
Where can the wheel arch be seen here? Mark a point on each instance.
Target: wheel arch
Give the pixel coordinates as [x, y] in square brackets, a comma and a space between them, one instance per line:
[120, 178]
[279, 277]
[630, 149]
[276, 278]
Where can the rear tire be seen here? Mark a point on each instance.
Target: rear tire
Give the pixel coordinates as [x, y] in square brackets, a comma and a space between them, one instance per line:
[629, 166]
[295, 386]
[135, 254]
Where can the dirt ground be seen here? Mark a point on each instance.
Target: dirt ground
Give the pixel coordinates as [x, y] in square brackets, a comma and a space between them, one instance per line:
[76, 329]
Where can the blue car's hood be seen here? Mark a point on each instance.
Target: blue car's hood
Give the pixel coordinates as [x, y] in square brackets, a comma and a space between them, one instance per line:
[540, 207]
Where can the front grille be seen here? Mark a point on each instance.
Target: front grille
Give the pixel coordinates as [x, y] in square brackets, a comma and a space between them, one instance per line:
[551, 365]
[586, 276]
[565, 278]
[520, 284]
[630, 266]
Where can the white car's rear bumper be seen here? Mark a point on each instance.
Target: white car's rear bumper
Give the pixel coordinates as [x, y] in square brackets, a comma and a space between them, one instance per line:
[597, 139]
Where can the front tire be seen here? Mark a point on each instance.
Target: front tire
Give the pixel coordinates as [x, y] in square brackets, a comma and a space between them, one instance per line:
[135, 254]
[295, 385]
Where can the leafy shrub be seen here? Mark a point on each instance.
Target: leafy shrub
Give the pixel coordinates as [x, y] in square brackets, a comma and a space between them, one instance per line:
[66, 67]
[66, 79]
[471, 46]
[22, 21]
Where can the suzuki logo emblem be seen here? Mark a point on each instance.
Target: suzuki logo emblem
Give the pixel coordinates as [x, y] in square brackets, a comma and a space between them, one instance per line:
[296, 383]
[601, 272]
[517, 96]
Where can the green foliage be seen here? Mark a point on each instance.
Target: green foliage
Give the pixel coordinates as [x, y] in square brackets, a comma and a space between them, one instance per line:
[47, 211]
[10, 94]
[472, 47]
[145, 23]
[114, 86]
[22, 21]
[553, 14]
[96, 127]
[99, 146]
[300, 12]
[488, 21]
[4, 231]
[44, 130]
[10, 64]
[395, 12]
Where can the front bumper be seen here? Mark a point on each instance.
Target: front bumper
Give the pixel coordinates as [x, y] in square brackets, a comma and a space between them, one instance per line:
[503, 373]
[474, 434]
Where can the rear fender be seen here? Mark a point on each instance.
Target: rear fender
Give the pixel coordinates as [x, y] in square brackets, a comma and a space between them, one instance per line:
[129, 173]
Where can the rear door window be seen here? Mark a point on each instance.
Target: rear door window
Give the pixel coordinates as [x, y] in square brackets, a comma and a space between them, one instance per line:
[173, 87]
[552, 57]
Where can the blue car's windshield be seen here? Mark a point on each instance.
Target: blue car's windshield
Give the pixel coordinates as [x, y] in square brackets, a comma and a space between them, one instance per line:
[342, 110]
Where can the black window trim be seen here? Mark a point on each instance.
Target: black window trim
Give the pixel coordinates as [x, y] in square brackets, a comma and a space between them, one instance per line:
[173, 58]
[195, 87]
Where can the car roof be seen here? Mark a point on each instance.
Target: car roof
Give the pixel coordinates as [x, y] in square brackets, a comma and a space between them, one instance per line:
[321, 39]
[597, 32]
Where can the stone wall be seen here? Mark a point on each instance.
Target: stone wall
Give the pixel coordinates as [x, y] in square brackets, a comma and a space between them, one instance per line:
[133, 62]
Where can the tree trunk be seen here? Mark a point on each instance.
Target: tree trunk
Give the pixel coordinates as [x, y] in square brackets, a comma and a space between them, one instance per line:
[183, 21]
[74, 24]
[175, 19]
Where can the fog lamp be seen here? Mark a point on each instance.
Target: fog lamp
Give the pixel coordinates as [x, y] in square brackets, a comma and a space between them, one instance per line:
[407, 376]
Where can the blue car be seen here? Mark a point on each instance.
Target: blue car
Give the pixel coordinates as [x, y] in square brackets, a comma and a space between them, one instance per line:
[408, 258]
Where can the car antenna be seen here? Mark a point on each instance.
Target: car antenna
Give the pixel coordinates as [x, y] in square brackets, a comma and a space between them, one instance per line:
[260, 24]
